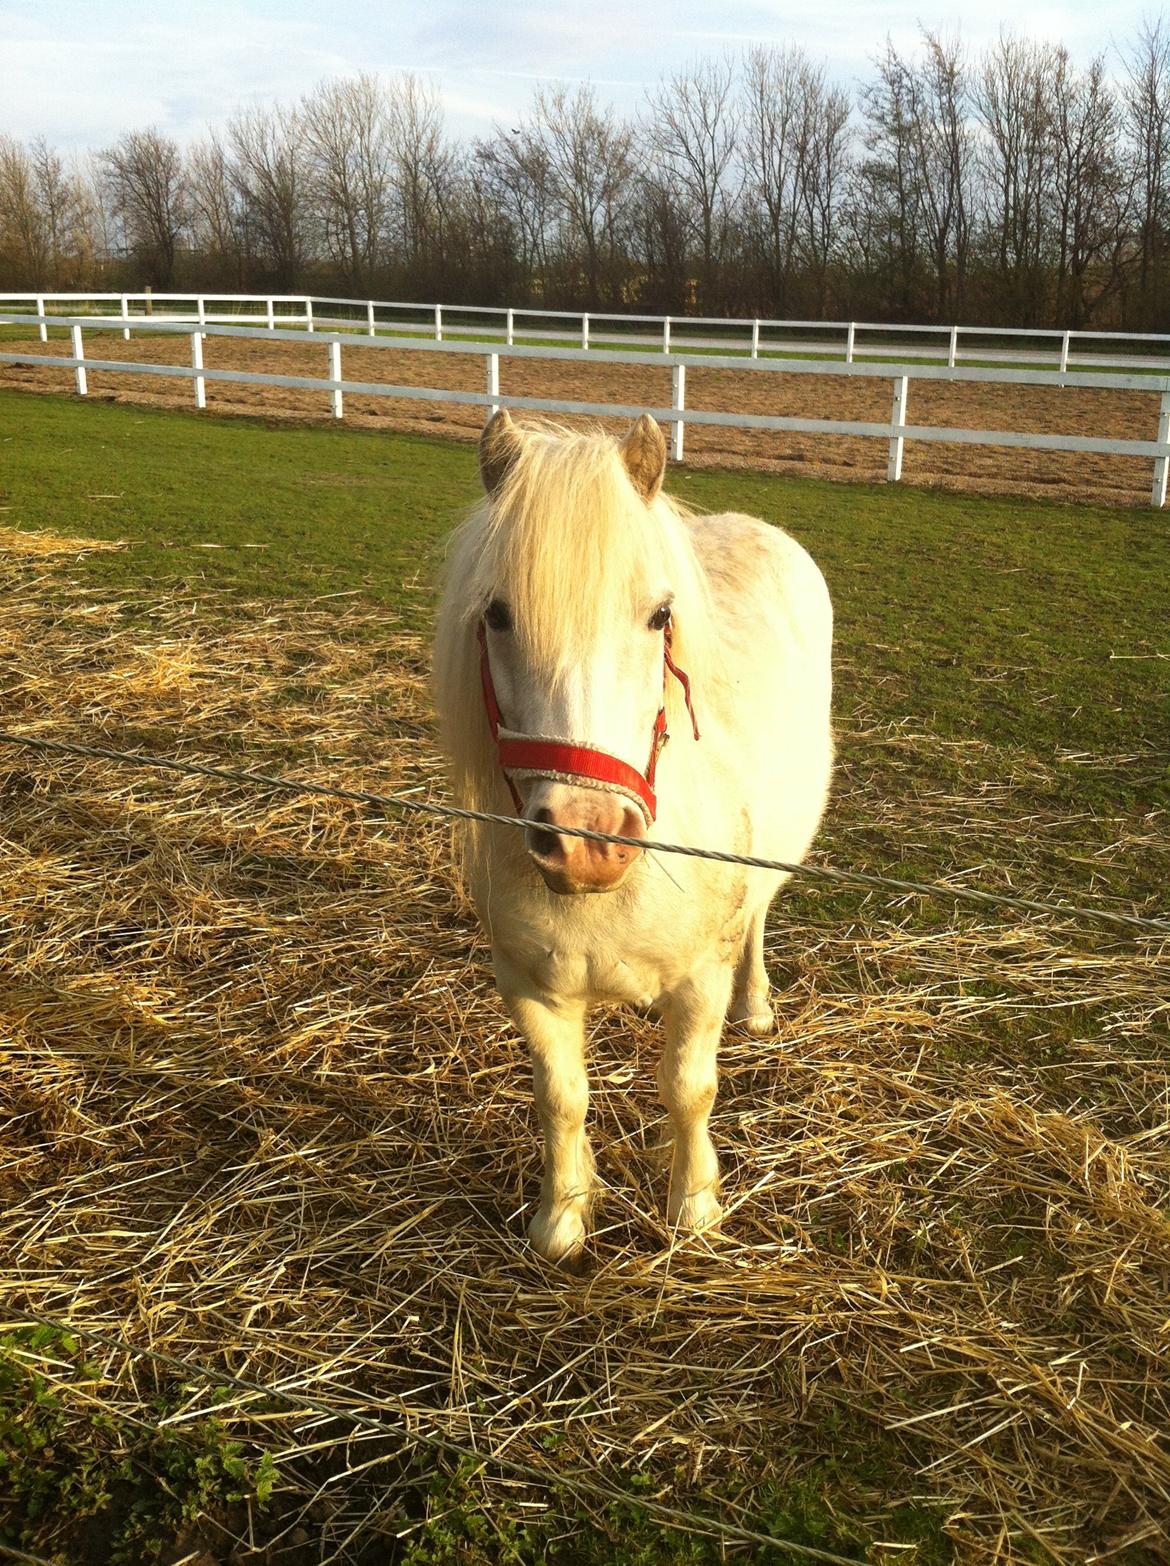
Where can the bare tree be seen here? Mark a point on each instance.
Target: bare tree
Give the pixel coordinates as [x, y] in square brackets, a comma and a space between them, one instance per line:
[775, 154]
[426, 176]
[218, 215]
[351, 145]
[1090, 191]
[515, 167]
[146, 183]
[693, 133]
[1147, 123]
[795, 142]
[888, 195]
[588, 154]
[943, 155]
[24, 237]
[66, 209]
[1013, 100]
[269, 171]
[1020, 187]
[829, 163]
[660, 241]
[485, 258]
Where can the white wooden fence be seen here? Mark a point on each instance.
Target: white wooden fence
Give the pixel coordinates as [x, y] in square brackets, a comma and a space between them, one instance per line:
[849, 340]
[896, 432]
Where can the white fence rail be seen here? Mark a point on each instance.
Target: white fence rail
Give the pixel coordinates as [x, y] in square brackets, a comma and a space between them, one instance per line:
[850, 341]
[896, 432]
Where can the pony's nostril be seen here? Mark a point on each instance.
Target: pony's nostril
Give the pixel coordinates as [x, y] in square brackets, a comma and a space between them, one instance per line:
[542, 843]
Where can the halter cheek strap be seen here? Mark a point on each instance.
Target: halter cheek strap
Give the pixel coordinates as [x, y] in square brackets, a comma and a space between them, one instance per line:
[537, 755]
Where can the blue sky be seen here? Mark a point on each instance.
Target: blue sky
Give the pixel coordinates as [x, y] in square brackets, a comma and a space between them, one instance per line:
[82, 71]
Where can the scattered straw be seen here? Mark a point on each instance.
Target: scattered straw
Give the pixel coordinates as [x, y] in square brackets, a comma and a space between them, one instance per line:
[14, 542]
[263, 1109]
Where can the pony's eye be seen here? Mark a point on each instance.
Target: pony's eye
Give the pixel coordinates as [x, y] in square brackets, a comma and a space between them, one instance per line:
[498, 615]
[660, 619]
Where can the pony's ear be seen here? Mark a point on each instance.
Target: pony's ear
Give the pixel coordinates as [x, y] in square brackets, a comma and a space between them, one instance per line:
[499, 446]
[644, 454]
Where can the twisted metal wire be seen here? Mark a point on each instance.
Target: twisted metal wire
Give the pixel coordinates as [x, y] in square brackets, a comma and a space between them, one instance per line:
[824, 873]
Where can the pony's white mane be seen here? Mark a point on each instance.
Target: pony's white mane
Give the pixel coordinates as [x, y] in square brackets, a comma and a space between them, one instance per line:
[572, 548]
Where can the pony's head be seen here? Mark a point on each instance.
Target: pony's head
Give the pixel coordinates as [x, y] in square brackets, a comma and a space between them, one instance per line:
[573, 588]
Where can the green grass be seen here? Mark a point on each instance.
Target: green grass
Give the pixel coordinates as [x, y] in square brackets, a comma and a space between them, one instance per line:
[937, 592]
[1036, 628]
[235, 503]
[113, 1491]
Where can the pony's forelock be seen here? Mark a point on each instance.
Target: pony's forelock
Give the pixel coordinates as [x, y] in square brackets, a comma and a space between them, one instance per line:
[572, 548]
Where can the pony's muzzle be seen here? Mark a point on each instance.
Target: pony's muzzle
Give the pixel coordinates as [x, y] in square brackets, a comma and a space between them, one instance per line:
[578, 864]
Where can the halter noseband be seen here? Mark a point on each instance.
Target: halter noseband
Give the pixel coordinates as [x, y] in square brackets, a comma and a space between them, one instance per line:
[570, 761]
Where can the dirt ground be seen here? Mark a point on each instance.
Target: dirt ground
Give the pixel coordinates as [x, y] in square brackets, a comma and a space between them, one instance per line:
[984, 470]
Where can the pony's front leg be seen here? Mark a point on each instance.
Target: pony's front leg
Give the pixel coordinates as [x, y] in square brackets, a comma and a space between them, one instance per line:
[687, 1080]
[555, 1033]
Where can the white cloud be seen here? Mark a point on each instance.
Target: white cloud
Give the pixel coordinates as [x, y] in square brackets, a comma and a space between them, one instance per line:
[85, 84]
[82, 71]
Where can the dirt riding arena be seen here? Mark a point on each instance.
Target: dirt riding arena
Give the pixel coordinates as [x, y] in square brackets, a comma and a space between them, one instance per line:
[985, 470]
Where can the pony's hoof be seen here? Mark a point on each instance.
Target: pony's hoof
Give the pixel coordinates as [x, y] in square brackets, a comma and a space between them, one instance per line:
[559, 1237]
[759, 1021]
[696, 1213]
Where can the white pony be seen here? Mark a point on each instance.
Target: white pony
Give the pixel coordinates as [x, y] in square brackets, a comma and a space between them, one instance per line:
[584, 614]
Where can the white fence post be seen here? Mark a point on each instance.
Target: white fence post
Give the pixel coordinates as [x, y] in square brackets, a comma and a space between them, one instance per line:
[584, 331]
[678, 401]
[335, 377]
[197, 365]
[755, 339]
[308, 315]
[370, 317]
[438, 323]
[898, 420]
[849, 342]
[125, 317]
[79, 355]
[44, 328]
[1162, 464]
[953, 351]
[1064, 352]
[895, 433]
[271, 316]
[509, 324]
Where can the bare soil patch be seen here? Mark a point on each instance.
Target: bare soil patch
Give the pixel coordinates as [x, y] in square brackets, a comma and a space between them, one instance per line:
[984, 470]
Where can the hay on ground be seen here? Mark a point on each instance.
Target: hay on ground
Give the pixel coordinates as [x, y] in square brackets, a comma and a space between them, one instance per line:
[262, 1108]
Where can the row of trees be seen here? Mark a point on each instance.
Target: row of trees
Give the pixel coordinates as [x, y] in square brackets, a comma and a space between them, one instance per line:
[1013, 188]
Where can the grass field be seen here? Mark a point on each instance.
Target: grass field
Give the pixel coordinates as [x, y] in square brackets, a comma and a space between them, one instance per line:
[264, 1112]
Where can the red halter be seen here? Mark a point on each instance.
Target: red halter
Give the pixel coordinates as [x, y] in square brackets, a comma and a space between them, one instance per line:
[564, 759]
